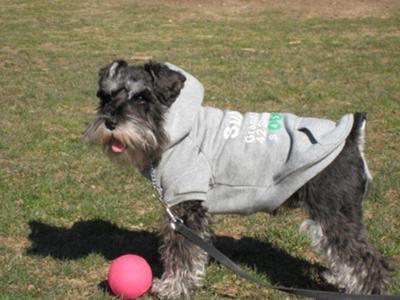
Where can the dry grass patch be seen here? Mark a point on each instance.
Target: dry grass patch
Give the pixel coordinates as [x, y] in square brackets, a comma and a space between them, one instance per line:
[298, 8]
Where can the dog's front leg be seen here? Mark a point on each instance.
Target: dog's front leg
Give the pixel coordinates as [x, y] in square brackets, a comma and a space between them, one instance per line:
[184, 263]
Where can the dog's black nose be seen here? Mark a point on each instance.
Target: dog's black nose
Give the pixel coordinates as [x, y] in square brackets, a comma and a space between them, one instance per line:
[110, 124]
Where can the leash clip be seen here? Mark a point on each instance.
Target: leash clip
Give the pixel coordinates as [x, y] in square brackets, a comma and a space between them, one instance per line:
[174, 219]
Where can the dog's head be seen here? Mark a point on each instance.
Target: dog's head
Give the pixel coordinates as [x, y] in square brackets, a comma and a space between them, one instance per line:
[133, 102]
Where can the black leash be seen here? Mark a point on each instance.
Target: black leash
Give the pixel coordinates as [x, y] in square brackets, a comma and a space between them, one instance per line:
[178, 225]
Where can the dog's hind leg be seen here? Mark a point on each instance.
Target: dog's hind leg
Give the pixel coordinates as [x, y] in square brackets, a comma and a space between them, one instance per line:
[334, 201]
[184, 263]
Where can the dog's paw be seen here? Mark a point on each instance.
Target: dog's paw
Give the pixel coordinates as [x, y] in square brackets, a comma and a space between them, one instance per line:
[329, 277]
[342, 281]
[169, 289]
[314, 231]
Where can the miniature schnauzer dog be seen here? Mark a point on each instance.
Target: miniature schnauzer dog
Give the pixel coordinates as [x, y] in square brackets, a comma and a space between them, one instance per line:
[131, 125]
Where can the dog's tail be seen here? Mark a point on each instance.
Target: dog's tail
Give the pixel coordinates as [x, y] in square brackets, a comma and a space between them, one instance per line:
[357, 135]
[358, 130]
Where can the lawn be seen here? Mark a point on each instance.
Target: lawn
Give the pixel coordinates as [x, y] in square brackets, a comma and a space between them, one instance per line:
[66, 211]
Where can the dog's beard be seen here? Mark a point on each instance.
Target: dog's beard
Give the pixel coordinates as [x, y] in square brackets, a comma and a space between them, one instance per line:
[130, 143]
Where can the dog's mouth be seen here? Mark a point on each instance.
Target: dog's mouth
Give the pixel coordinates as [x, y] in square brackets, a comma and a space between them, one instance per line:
[117, 146]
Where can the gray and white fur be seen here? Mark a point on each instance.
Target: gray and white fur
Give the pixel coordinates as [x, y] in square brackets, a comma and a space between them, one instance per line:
[130, 126]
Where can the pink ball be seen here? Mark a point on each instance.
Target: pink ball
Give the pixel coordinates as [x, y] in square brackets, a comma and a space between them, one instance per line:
[129, 276]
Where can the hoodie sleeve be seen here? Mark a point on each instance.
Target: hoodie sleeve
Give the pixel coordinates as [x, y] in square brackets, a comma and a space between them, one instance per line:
[186, 175]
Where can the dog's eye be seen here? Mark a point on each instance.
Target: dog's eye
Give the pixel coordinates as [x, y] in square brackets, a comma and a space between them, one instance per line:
[140, 97]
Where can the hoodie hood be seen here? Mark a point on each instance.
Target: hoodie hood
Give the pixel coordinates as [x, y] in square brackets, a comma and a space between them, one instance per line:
[180, 116]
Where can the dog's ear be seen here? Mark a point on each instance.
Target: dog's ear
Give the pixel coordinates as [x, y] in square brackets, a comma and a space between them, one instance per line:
[167, 83]
[110, 75]
[113, 69]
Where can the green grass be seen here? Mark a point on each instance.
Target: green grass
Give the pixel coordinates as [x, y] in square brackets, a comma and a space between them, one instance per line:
[66, 212]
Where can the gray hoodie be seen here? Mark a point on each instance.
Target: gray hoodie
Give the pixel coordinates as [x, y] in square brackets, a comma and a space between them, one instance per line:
[241, 163]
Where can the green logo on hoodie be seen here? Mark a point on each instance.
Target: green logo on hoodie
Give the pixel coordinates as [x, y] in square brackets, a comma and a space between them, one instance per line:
[275, 123]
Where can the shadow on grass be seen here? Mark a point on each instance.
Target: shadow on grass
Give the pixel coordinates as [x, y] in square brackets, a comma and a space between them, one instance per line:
[107, 239]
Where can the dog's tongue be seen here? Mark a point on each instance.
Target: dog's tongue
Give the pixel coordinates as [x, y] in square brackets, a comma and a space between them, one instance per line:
[117, 146]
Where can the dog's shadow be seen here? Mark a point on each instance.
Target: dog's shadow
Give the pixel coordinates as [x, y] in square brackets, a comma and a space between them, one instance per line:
[111, 241]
